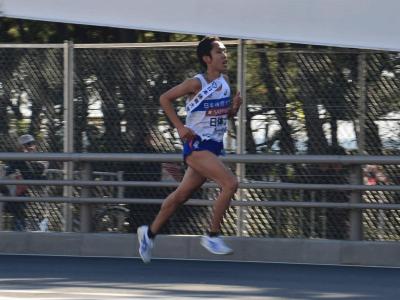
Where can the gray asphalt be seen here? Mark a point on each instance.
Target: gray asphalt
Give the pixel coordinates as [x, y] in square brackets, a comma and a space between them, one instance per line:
[50, 277]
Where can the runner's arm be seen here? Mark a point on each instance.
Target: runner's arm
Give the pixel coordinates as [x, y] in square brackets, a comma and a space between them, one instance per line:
[189, 86]
[236, 102]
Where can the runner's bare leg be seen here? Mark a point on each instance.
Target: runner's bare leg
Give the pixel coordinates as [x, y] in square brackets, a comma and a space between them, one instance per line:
[210, 166]
[191, 182]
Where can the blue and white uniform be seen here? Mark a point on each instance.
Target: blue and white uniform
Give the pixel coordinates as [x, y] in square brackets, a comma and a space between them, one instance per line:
[209, 120]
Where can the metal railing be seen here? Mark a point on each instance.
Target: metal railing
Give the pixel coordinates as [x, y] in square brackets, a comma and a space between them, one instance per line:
[355, 187]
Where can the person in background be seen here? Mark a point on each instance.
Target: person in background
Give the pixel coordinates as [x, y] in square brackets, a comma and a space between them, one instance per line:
[374, 175]
[22, 169]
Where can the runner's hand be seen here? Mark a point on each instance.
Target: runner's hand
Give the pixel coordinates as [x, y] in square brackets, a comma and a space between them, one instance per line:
[185, 133]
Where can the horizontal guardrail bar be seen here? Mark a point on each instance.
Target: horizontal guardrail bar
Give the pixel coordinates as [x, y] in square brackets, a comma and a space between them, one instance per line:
[114, 45]
[62, 172]
[32, 46]
[173, 184]
[146, 45]
[233, 158]
[201, 202]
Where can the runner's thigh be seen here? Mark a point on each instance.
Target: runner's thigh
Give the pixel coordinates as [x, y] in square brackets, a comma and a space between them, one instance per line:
[210, 166]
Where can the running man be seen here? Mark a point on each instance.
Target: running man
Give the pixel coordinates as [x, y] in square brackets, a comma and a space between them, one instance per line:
[208, 107]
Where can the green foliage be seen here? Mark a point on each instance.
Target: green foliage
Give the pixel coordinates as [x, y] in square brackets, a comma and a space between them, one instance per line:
[27, 31]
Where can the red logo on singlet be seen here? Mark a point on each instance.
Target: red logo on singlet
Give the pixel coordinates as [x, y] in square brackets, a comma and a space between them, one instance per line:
[217, 111]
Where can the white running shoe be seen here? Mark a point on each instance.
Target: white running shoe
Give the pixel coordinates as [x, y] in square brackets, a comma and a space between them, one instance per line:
[215, 245]
[145, 243]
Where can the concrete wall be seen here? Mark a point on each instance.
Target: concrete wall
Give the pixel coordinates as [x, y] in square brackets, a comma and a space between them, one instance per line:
[188, 247]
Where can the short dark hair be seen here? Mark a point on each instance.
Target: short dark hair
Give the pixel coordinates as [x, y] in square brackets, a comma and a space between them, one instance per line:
[204, 48]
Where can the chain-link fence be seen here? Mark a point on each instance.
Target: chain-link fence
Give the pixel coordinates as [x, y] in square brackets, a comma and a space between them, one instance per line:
[298, 101]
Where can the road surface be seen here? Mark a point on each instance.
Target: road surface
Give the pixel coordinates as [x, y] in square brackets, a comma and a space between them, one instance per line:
[54, 277]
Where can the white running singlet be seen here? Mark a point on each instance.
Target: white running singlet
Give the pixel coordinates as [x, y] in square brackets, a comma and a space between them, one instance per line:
[209, 119]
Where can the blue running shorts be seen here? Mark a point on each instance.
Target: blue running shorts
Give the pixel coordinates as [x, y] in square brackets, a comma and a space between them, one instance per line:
[197, 144]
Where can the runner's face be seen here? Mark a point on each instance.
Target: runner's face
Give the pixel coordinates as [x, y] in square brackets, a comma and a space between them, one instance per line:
[219, 57]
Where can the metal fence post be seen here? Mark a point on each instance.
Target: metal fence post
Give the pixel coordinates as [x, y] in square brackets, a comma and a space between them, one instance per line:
[356, 232]
[120, 189]
[68, 127]
[86, 208]
[356, 228]
[1, 216]
[241, 133]
[362, 103]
